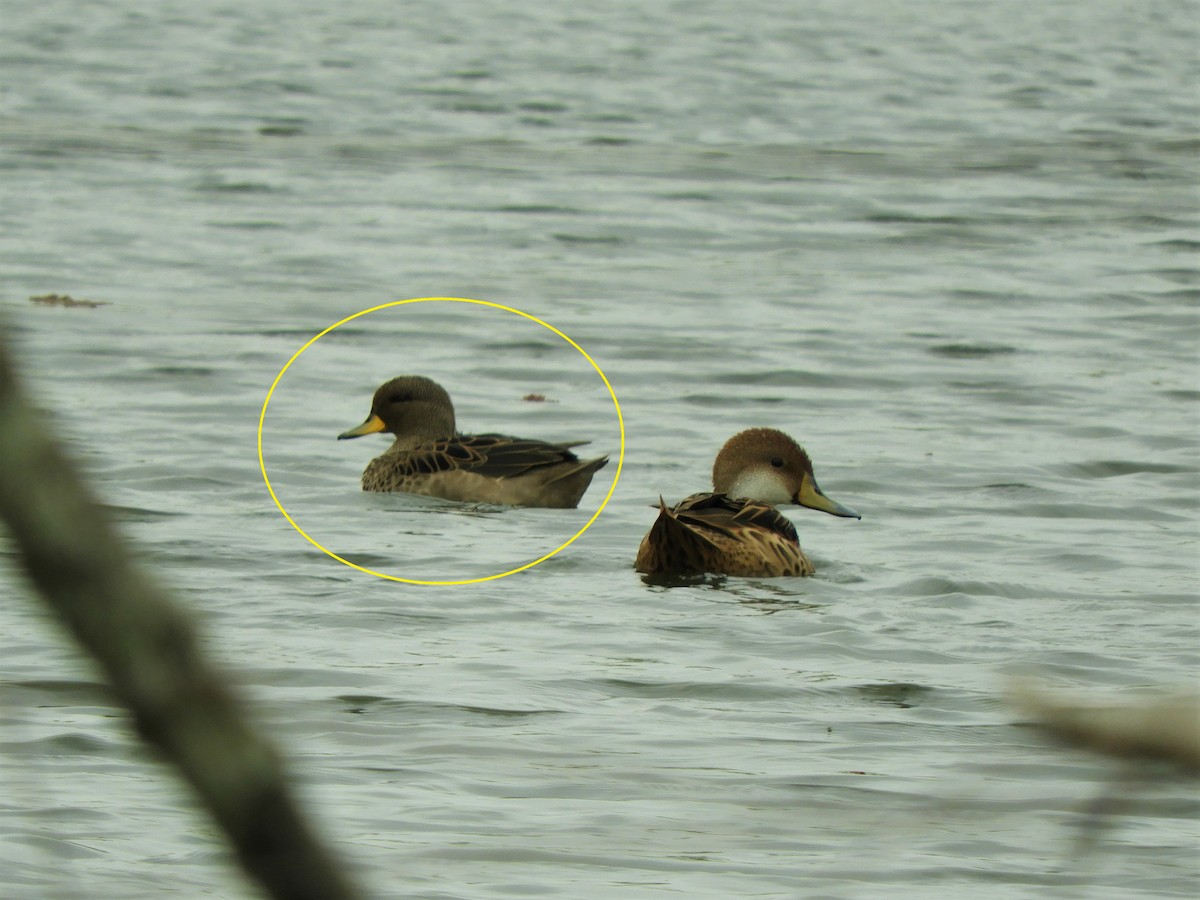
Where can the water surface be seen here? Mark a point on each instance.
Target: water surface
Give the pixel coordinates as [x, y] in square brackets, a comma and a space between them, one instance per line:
[950, 247]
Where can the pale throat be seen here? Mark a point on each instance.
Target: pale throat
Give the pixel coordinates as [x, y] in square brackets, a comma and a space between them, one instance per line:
[760, 484]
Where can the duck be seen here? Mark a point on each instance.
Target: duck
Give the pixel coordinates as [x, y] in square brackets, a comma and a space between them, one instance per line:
[430, 457]
[735, 529]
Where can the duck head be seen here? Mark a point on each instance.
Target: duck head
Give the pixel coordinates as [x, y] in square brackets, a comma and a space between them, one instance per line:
[410, 405]
[765, 464]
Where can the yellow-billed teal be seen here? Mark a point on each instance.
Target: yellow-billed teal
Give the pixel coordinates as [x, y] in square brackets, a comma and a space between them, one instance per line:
[429, 457]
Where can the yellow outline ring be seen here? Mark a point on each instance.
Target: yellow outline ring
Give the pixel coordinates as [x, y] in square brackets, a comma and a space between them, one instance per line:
[616, 405]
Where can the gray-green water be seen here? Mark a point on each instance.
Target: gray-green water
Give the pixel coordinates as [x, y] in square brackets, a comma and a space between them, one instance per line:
[951, 247]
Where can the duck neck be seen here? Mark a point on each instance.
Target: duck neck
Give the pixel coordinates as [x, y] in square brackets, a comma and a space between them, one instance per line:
[758, 485]
[422, 426]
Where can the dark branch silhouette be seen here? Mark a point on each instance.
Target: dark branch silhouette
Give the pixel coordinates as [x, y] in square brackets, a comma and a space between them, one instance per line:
[149, 652]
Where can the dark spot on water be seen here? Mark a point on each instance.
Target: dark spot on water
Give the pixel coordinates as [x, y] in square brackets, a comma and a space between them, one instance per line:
[781, 377]
[357, 704]
[1179, 276]
[690, 195]
[720, 400]
[1028, 97]
[607, 141]
[185, 371]
[900, 694]
[235, 187]
[66, 301]
[971, 351]
[495, 713]
[537, 209]
[1150, 222]
[586, 238]
[280, 130]
[534, 348]
[614, 118]
[56, 693]
[539, 106]
[368, 560]
[887, 218]
[248, 226]
[1115, 468]
[478, 106]
[1183, 246]
[75, 744]
[1013, 162]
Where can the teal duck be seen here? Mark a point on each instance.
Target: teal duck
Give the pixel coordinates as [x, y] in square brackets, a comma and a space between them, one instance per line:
[429, 456]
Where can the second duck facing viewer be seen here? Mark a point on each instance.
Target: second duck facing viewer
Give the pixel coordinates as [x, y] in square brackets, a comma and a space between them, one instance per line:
[736, 530]
[429, 457]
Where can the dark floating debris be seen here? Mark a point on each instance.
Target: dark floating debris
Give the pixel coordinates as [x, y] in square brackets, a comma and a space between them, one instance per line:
[971, 351]
[67, 301]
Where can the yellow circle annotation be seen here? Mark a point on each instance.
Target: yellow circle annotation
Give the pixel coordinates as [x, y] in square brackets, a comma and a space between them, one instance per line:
[613, 394]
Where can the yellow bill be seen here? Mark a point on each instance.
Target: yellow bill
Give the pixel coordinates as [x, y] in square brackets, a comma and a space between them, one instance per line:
[373, 425]
[811, 496]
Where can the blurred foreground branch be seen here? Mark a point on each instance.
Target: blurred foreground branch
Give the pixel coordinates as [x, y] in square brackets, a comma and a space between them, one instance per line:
[149, 651]
[1163, 727]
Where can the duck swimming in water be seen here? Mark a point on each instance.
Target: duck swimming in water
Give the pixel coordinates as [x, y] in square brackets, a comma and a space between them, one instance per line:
[429, 457]
[736, 530]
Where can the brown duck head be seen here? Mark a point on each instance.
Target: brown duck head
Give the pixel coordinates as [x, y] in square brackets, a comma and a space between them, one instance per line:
[410, 407]
[765, 464]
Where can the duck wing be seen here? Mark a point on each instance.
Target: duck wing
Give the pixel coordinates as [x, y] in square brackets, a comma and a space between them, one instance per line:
[491, 455]
[729, 516]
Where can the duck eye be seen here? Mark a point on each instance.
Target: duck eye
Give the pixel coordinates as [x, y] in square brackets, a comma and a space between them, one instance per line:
[777, 462]
[399, 398]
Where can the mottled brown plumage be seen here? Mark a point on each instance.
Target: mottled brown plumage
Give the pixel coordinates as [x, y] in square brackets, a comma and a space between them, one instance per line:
[736, 530]
[429, 457]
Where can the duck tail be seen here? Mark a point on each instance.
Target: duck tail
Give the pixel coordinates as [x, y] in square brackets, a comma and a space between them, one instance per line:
[671, 546]
[669, 528]
[587, 467]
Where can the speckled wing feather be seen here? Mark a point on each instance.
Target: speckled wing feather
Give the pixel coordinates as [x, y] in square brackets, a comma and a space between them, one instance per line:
[718, 534]
[722, 513]
[491, 455]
